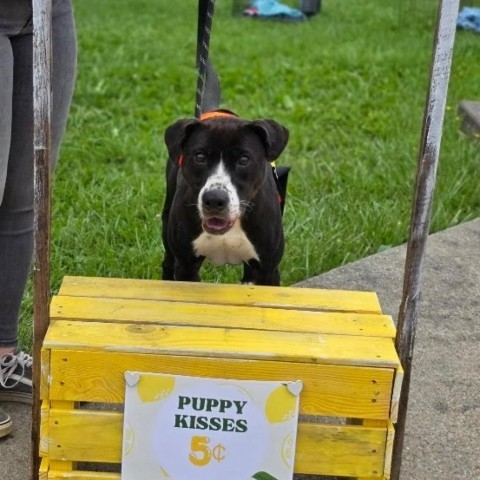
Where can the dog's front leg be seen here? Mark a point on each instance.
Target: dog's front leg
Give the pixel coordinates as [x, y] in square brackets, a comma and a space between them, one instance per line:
[248, 275]
[254, 274]
[188, 271]
[168, 264]
[268, 278]
[168, 270]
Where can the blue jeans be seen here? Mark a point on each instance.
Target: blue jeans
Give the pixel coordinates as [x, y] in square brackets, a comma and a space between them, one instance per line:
[16, 141]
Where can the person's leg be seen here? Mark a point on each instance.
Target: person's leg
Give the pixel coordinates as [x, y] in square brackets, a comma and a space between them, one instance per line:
[12, 18]
[16, 209]
[64, 63]
[8, 326]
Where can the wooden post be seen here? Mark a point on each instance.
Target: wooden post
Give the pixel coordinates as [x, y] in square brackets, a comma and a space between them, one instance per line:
[42, 61]
[422, 207]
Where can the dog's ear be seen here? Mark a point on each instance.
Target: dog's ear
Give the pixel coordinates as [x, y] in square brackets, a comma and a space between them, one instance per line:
[273, 135]
[177, 134]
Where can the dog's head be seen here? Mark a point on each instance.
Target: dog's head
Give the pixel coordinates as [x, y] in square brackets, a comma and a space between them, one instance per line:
[224, 161]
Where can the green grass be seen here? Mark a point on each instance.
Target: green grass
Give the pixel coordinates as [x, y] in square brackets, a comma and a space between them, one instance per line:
[350, 85]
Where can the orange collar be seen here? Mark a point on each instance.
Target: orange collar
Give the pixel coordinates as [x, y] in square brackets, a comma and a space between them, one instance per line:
[209, 116]
[217, 114]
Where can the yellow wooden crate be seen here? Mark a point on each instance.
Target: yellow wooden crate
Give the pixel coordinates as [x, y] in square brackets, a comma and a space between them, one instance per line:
[337, 342]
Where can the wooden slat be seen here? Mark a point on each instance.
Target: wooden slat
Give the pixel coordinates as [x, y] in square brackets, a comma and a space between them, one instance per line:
[223, 343]
[372, 423]
[58, 463]
[45, 373]
[43, 470]
[85, 435]
[397, 389]
[81, 475]
[43, 445]
[389, 451]
[330, 390]
[225, 294]
[195, 314]
[342, 450]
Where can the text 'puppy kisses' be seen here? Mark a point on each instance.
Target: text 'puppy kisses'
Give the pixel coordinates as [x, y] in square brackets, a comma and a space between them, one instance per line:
[226, 419]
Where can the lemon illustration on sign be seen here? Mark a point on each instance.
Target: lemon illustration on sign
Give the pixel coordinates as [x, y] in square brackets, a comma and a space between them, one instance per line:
[128, 439]
[280, 405]
[164, 473]
[152, 388]
[288, 450]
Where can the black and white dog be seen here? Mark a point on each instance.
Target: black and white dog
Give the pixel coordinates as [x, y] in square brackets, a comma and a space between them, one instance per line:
[222, 200]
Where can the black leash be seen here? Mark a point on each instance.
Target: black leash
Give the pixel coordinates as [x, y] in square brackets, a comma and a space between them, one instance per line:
[206, 73]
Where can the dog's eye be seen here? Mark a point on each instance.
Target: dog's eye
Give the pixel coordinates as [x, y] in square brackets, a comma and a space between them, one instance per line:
[200, 158]
[243, 160]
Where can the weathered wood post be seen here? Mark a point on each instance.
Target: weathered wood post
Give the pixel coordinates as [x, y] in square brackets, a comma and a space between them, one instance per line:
[42, 62]
[422, 207]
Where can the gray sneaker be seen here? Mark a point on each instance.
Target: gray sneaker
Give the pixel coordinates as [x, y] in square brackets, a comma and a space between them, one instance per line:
[5, 424]
[16, 377]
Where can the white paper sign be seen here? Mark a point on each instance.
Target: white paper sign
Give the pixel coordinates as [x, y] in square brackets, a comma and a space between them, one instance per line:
[190, 428]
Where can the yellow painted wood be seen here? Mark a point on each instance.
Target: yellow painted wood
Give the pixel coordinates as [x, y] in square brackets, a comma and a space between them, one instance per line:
[331, 390]
[336, 342]
[62, 404]
[45, 373]
[82, 475]
[61, 465]
[283, 297]
[43, 470]
[374, 423]
[86, 435]
[201, 315]
[377, 423]
[43, 444]
[389, 450]
[397, 389]
[58, 463]
[342, 450]
[364, 478]
[223, 343]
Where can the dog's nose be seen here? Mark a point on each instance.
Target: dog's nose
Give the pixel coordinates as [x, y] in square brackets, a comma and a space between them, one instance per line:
[215, 200]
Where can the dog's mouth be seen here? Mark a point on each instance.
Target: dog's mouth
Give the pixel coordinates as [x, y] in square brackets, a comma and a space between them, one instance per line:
[217, 226]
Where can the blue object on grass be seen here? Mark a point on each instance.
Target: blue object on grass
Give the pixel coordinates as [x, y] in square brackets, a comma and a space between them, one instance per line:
[272, 8]
[469, 19]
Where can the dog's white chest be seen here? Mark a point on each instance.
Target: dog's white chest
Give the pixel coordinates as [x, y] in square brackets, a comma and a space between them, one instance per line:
[232, 247]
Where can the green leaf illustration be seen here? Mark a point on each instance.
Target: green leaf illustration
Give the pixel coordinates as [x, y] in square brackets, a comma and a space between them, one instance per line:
[263, 476]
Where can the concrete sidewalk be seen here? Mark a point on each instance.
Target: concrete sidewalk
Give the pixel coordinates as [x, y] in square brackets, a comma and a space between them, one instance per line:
[442, 439]
[443, 429]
